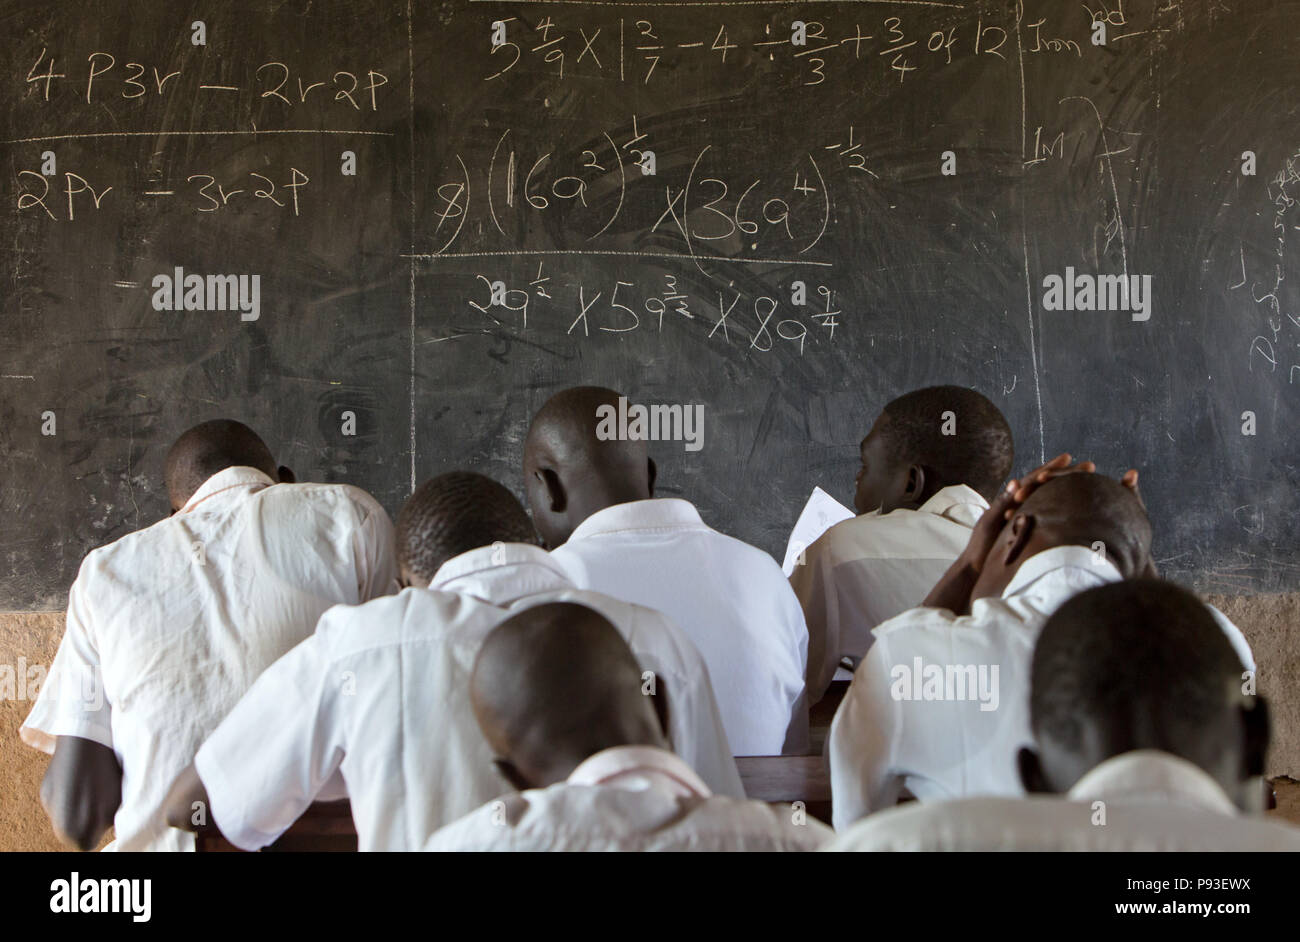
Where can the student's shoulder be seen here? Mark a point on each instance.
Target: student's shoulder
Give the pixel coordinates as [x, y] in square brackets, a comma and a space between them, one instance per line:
[413, 614]
[991, 823]
[341, 495]
[622, 613]
[746, 825]
[744, 555]
[518, 821]
[642, 627]
[899, 533]
[936, 633]
[920, 623]
[124, 559]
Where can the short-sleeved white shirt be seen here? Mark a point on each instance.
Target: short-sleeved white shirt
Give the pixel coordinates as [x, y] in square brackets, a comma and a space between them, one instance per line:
[885, 736]
[730, 598]
[880, 741]
[630, 798]
[380, 693]
[167, 627]
[1151, 801]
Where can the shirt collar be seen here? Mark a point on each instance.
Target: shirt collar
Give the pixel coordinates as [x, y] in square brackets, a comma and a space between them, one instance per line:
[636, 768]
[656, 513]
[501, 573]
[238, 476]
[1054, 560]
[1149, 774]
[956, 502]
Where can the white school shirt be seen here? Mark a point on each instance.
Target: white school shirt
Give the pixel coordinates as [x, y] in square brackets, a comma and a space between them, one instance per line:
[950, 748]
[179, 618]
[380, 694]
[864, 571]
[942, 749]
[630, 798]
[730, 598]
[1153, 801]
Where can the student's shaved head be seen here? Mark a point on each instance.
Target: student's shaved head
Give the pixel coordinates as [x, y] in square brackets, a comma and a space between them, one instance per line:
[209, 448]
[929, 439]
[453, 514]
[554, 685]
[570, 473]
[1084, 509]
[1140, 664]
[1076, 509]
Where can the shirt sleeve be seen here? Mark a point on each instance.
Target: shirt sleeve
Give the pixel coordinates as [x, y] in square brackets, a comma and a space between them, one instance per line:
[376, 551]
[862, 742]
[277, 750]
[72, 701]
[697, 734]
[813, 582]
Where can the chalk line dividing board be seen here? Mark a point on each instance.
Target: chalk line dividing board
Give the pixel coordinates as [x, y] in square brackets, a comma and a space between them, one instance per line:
[786, 212]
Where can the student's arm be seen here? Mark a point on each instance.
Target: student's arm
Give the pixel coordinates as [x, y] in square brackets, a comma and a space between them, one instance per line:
[72, 719]
[864, 737]
[271, 756]
[81, 791]
[185, 806]
[953, 590]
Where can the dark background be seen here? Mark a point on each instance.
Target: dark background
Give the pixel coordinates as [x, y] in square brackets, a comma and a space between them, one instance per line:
[1123, 157]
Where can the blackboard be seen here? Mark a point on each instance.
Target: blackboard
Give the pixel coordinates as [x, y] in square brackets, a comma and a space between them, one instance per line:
[919, 168]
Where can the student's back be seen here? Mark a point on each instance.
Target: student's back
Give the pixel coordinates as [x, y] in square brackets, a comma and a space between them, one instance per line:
[730, 598]
[177, 620]
[592, 500]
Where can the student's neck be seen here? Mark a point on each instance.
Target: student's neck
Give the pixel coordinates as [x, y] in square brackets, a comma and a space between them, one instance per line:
[612, 495]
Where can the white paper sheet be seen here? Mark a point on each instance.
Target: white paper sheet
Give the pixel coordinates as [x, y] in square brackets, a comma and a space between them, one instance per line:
[820, 514]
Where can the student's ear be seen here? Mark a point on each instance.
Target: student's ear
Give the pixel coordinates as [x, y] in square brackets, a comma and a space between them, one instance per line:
[286, 475]
[913, 487]
[556, 499]
[409, 579]
[1031, 772]
[1255, 728]
[1022, 529]
[512, 775]
[652, 472]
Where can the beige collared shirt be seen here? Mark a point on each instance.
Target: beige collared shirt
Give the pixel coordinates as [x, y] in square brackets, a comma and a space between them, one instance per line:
[728, 597]
[380, 694]
[630, 798]
[168, 626]
[1139, 801]
[864, 571]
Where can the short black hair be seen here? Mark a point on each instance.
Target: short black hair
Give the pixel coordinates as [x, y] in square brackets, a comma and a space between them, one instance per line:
[979, 454]
[209, 448]
[453, 514]
[1142, 660]
[1084, 509]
